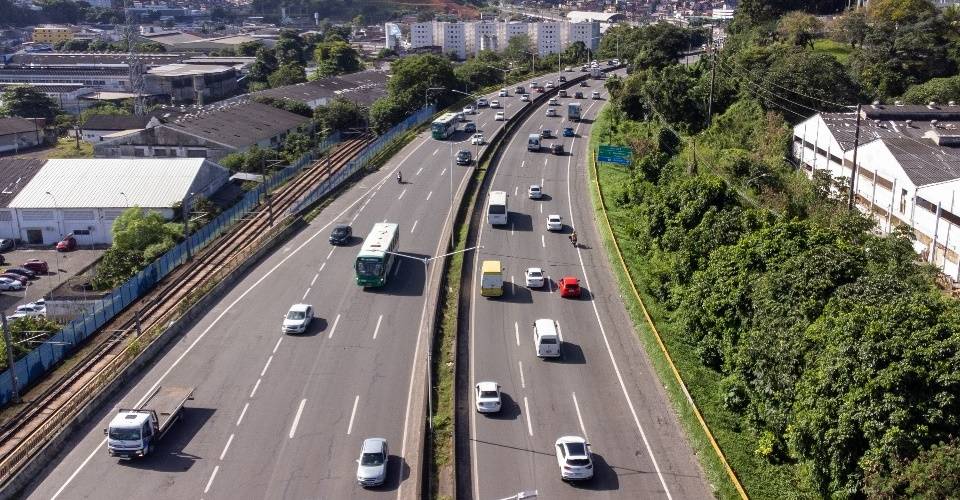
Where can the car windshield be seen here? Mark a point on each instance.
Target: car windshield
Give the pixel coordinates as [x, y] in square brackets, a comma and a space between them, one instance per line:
[535, 274]
[121, 434]
[296, 315]
[339, 231]
[488, 394]
[369, 267]
[371, 459]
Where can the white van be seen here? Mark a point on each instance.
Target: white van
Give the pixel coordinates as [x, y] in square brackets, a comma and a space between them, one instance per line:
[546, 338]
[533, 142]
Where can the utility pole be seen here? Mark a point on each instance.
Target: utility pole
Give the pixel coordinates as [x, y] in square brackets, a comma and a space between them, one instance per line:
[185, 208]
[11, 365]
[853, 168]
[713, 78]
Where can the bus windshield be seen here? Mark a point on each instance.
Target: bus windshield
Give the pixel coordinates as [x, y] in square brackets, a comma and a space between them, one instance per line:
[369, 267]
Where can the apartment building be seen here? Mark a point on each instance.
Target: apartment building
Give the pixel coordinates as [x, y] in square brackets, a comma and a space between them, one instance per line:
[421, 35]
[51, 34]
[481, 35]
[463, 39]
[545, 36]
[452, 38]
[585, 31]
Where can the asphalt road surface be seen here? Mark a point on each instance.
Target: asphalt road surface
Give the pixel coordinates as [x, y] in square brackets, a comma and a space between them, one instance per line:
[603, 388]
[279, 416]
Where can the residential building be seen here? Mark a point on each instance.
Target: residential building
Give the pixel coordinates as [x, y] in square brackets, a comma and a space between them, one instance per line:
[211, 132]
[18, 133]
[907, 170]
[587, 32]
[421, 35]
[52, 34]
[481, 35]
[392, 36]
[545, 37]
[465, 39]
[510, 29]
[44, 200]
[452, 38]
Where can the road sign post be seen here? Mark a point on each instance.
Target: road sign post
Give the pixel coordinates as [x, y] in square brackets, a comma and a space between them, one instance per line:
[620, 155]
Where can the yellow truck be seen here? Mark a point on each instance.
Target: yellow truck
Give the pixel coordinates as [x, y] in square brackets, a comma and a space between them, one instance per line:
[491, 278]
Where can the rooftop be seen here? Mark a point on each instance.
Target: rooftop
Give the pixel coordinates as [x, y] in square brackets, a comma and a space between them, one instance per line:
[239, 124]
[86, 58]
[15, 173]
[115, 122]
[363, 87]
[16, 125]
[177, 69]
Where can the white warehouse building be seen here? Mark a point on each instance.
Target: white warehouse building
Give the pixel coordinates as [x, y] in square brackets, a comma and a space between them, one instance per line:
[42, 201]
[908, 170]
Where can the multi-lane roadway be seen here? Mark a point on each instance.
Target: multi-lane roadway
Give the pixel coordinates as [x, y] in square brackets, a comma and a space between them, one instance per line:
[603, 388]
[282, 416]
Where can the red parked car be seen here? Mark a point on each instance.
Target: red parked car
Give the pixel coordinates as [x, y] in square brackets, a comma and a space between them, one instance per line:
[36, 265]
[67, 245]
[569, 287]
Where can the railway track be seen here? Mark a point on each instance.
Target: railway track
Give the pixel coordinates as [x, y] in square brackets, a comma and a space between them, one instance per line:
[48, 411]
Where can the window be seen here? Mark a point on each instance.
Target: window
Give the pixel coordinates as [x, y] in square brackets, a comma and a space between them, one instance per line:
[81, 232]
[903, 201]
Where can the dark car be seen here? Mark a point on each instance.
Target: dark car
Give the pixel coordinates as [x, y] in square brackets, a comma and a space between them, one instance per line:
[578, 95]
[26, 273]
[36, 265]
[16, 277]
[470, 128]
[341, 234]
[67, 245]
[464, 157]
[520, 90]
[568, 132]
[545, 133]
[557, 148]
[583, 83]
[562, 79]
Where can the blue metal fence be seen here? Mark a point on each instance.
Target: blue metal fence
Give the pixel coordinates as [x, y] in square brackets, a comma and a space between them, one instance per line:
[363, 158]
[40, 360]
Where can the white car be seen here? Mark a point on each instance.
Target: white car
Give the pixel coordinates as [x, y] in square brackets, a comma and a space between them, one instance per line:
[551, 112]
[9, 284]
[499, 116]
[461, 117]
[552, 101]
[298, 319]
[477, 139]
[488, 397]
[595, 94]
[524, 98]
[30, 310]
[534, 277]
[494, 103]
[481, 102]
[567, 69]
[503, 93]
[616, 62]
[469, 110]
[554, 223]
[549, 85]
[574, 458]
[535, 192]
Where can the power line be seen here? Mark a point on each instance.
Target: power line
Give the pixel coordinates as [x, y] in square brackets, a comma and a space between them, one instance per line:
[770, 100]
[737, 68]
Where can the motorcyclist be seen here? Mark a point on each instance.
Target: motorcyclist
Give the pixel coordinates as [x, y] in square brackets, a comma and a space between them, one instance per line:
[399, 177]
[573, 238]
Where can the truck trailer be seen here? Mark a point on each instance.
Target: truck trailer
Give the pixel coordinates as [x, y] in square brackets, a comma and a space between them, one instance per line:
[135, 432]
[573, 111]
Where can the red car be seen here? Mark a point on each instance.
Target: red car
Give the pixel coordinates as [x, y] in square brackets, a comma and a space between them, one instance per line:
[539, 90]
[569, 287]
[36, 265]
[68, 244]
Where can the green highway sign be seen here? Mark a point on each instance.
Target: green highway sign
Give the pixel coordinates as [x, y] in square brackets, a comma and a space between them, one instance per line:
[614, 154]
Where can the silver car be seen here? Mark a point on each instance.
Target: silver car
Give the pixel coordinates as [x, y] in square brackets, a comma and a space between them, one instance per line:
[574, 458]
[372, 464]
[298, 318]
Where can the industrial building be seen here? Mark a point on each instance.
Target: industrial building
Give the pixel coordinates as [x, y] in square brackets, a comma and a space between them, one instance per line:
[362, 87]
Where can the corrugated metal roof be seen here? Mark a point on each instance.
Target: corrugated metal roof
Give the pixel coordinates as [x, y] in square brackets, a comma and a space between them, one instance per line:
[99, 182]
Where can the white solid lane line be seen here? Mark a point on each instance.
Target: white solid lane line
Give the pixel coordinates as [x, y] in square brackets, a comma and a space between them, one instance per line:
[523, 382]
[526, 407]
[401, 194]
[516, 332]
[412, 229]
[255, 387]
[541, 208]
[278, 345]
[334, 328]
[305, 294]
[377, 329]
[226, 447]
[580, 417]
[296, 419]
[242, 413]
[206, 489]
[264, 371]
[353, 414]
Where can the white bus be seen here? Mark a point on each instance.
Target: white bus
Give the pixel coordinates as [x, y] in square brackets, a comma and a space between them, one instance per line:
[497, 214]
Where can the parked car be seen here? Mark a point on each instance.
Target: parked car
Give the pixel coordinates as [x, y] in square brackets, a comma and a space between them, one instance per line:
[26, 273]
[6, 244]
[32, 310]
[68, 244]
[556, 148]
[464, 157]
[488, 397]
[9, 284]
[298, 319]
[534, 277]
[470, 128]
[569, 287]
[568, 132]
[477, 139]
[574, 458]
[341, 234]
[372, 464]
[36, 265]
[16, 277]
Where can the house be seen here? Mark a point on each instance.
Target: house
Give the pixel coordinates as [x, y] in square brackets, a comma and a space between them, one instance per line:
[97, 126]
[907, 170]
[213, 132]
[19, 133]
[44, 200]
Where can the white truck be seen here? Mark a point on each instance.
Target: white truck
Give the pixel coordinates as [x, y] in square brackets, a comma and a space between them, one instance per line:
[596, 73]
[134, 432]
[573, 111]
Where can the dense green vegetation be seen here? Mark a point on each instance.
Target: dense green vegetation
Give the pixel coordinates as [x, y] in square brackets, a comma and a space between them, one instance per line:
[824, 355]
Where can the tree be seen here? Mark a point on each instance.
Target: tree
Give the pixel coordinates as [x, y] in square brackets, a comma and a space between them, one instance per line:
[937, 90]
[150, 48]
[799, 28]
[337, 33]
[75, 45]
[289, 48]
[934, 473]
[264, 66]
[478, 72]
[249, 49]
[335, 58]
[661, 44]
[385, 113]
[139, 237]
[518, 50]
[895, 11]
[664, 93]
[814, 79]
[287, 74]
[28, 102]
[340, 115]
[414, 74]
[851, 28]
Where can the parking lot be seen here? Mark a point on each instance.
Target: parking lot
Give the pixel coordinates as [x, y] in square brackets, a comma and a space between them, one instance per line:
[62, 265]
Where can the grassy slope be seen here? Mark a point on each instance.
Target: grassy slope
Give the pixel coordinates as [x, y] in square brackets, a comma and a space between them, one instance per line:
[838, 50]
[760, 479]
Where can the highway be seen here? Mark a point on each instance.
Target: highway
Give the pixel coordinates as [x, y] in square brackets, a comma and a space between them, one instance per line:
[604, 387]
[282, 416]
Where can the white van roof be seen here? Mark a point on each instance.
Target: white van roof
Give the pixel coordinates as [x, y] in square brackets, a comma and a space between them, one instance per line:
[546, 327]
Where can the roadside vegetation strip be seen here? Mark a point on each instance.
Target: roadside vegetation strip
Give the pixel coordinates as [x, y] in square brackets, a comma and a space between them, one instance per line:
[667, 367]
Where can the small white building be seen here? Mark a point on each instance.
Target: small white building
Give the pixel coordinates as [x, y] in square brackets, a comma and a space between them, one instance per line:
[48, 199]
[908, 170]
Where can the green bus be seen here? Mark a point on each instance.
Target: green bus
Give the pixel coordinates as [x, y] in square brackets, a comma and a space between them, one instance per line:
[376, 255]
[444, 126]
